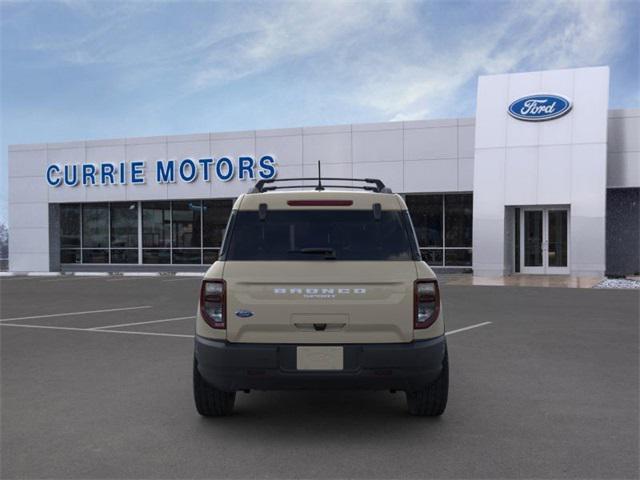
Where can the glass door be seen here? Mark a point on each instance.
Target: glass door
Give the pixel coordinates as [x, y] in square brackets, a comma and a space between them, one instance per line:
[557, 241]
[532, 239]
[544, 242]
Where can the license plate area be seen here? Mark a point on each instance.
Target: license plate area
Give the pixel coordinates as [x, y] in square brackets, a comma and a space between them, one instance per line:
[320, 358]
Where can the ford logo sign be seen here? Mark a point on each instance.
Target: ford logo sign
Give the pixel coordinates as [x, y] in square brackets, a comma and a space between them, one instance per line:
[244, 314]
[536, 108]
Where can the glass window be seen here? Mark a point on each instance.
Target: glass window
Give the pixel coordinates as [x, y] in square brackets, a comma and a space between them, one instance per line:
[433, 256]
[186, 255]
[457, 257]
[458, 214]
[124, 225]
[128, 255]
[156, 224]
[95, 226]
[215, 214]
[69, 226]
[320, 235]
[426, 214]
[70, 255]
[95, 256]
[186, 223]
[210, 255]
[156, 256]
[558, 246]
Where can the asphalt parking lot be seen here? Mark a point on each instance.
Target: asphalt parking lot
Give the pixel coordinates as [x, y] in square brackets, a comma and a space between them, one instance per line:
[96, 383]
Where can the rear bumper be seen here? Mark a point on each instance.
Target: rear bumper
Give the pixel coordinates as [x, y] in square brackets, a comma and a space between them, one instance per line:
[255, 366]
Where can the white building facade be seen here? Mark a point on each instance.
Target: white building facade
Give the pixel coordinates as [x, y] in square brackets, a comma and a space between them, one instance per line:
[545, 179]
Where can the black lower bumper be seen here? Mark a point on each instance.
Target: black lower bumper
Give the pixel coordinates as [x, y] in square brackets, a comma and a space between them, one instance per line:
[396, 366]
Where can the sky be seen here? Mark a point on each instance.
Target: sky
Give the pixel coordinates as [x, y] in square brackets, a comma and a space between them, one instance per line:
[76, 70]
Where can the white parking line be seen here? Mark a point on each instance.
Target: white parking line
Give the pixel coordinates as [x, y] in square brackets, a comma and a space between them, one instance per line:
[74, 313]
[182, 278]
[124, 279]
[468, 328]
[75, 329]
[70, 278]
[159, 334]
[143, 323]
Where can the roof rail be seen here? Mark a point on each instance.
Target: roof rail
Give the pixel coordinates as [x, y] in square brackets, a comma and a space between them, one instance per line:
[377, 186]
[371, 184]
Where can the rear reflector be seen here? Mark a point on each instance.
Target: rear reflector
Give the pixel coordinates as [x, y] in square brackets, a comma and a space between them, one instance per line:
[319, 203]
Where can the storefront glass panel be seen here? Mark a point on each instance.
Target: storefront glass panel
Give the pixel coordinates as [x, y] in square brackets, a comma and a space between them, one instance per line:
[458, 211]
[186, 224]
[128, 255]
[457, 257]
[124, 225]
[215, 214]
[156, 224]
[95, 226]
[426, 215]
[92, 255]
[186, 255]
[156, 255]
[444, 227]
[70, 226]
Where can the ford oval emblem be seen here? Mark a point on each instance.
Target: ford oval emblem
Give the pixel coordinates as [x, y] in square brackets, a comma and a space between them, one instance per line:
[536, 108]
[244, 314]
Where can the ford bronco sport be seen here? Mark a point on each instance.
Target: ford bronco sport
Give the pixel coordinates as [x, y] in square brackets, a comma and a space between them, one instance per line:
[320, 289]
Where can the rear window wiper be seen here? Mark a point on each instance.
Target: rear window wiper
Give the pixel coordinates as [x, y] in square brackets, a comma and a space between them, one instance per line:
[329, 253]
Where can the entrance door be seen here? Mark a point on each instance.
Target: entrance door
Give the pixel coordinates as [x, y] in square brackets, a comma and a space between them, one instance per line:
[544, 242]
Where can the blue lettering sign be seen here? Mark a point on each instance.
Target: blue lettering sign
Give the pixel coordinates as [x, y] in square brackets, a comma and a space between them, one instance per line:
[106, 173]
[71, 175]
[206, 168]
[165, 174]
[51, 180]
[137, 172]
[222, 164]
[166, 171]
[267, 167]
[188, 174]
[245, 167]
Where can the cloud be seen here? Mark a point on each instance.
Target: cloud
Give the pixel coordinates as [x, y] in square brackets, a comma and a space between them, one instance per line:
[536, 35]
[396, 59]
[294, 31]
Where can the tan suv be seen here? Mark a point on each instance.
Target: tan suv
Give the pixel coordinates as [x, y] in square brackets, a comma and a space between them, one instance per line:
[320, 288]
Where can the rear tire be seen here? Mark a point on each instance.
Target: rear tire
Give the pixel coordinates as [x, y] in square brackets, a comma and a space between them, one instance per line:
[432, 401]
[211, 402]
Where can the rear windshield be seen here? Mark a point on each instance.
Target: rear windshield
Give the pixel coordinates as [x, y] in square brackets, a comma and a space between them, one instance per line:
[320, 235]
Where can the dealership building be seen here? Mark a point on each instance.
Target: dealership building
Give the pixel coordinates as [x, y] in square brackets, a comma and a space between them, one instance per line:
[544, 180]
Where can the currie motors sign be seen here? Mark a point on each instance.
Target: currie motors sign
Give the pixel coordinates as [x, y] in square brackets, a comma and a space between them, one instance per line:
[540, 107]
[162, 171]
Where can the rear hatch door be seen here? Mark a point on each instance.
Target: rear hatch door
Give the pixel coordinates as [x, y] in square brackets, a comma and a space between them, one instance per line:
[320, 301]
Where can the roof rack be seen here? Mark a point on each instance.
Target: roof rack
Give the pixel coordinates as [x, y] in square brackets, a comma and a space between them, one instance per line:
[371, 184]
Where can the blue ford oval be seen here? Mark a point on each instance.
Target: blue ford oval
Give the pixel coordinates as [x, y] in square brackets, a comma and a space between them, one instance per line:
[244, 314]
[536, 108]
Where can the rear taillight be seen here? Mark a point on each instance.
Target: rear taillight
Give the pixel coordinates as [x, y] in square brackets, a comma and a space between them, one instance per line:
[212, 303]
[426, 303]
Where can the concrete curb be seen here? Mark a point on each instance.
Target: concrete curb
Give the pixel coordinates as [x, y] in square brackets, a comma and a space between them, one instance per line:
[102, 274]
[89, 274]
